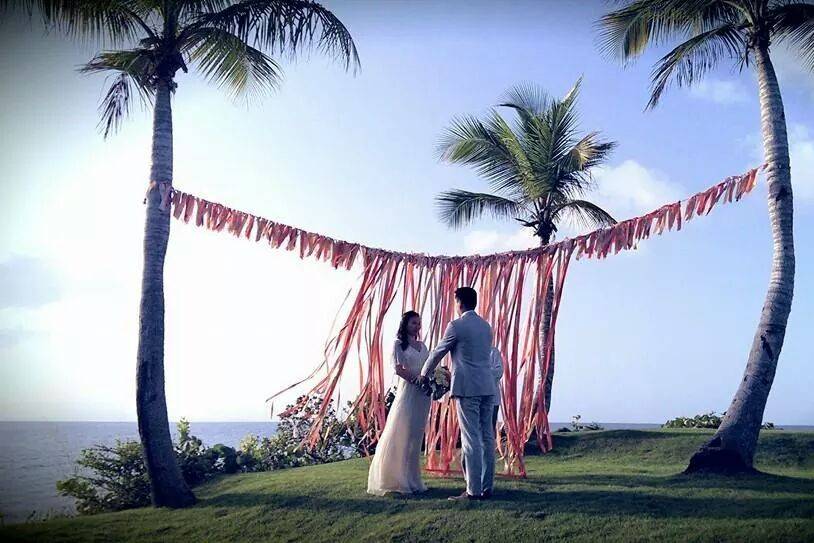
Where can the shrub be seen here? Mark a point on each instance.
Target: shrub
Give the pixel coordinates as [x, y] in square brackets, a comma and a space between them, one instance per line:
[225, 458]
[117, 479]
[196, 462]
[360, 441]
[706, 420]
[577, 426]
[285, 449]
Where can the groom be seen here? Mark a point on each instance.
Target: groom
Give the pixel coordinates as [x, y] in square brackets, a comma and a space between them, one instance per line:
[469, 339]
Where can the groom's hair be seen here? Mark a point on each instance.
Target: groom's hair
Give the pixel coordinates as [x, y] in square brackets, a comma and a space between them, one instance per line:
[467, 296]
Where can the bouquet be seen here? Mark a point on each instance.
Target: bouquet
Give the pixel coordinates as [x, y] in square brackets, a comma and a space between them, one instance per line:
[438, 385]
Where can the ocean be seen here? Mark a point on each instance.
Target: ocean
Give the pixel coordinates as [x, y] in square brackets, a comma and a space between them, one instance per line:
[35, 455]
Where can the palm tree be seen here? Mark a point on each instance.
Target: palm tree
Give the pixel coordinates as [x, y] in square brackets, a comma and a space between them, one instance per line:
[225, 40]
[741, 31]
[539, 168]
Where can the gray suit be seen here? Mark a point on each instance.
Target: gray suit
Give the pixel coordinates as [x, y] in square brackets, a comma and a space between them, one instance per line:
[469, 340]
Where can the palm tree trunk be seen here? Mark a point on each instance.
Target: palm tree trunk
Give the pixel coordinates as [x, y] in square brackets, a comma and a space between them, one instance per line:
[167, 484]
[732, 449]
[548, 306]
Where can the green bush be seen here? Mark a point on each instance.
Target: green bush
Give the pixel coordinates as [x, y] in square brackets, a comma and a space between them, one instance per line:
[118, 479]
[115, 478]
[285, 449]
[192, 456]
[360, 440]
[577, 426]
[225, 458]
[706, 420]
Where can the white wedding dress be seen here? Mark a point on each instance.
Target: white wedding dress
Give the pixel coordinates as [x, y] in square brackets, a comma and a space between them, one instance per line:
[396, 465]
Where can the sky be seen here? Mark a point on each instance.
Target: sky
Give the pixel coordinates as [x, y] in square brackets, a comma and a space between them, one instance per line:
[642, 337]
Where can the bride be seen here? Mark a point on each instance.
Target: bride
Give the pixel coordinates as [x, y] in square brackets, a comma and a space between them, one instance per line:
[396, 464]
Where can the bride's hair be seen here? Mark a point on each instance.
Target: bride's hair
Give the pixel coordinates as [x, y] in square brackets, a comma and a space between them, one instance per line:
[402, 333]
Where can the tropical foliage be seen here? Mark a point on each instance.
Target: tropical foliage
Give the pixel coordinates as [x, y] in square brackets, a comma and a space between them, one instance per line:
[231, 43]
[705, 420]
[538, 166]
[109, 478]
[286, 448]
[113, 478]
[741, 32]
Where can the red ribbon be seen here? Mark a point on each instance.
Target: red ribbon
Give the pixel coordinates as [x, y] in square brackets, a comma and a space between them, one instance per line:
[511, 285]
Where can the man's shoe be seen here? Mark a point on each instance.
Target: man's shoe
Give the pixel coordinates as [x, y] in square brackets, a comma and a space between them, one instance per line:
[464, 497]
[487, 494]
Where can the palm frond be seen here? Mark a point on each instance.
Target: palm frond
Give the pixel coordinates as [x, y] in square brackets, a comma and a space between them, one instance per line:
[562, 120]
[583, 213]
[573, 171]
[627, 32]
[534, 108]
[589, 152]
[286, 27]
[115, 106]
[540, 163]
[134, 68]
[228, 61]
[689, 61]
[194, 8]
[573, 93]
[518, 178]
[527, 97]
[551, 137]
[485, 147]
[107, 22]
[458, 208]
[794, 24]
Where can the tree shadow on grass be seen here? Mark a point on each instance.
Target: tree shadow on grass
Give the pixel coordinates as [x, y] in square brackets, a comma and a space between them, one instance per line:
[288, 499]
[531, 504]
[763, 482]
[645, 504]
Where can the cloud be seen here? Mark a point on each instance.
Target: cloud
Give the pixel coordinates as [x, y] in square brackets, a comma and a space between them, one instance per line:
[491, 241]
[631, 189]
[28, 282]
[801, 151]
[720, 91]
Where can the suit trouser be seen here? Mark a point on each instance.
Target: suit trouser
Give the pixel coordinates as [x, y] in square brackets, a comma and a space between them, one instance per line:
[494, 425]
[477, 441]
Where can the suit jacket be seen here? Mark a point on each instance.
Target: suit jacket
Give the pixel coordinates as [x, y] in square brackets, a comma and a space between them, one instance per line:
[469, 339]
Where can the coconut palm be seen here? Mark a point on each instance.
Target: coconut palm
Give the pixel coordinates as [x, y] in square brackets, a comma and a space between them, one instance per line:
[539, 167]
[229, 43]
[741, 32]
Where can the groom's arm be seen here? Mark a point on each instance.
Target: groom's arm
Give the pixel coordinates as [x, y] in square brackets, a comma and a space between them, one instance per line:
[446, 345]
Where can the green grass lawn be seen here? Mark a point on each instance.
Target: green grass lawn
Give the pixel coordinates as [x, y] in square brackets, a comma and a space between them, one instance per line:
[604, 486]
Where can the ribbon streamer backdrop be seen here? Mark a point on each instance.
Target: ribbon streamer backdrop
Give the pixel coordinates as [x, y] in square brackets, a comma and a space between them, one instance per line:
[511, 288]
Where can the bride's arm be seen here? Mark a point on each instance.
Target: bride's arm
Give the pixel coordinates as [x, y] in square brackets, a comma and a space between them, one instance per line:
[401, 369]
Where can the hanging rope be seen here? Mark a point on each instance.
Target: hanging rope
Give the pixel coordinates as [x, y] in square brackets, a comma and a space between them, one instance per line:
[511, 287]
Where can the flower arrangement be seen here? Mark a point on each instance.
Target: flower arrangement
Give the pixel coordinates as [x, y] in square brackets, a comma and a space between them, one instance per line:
[438, 385]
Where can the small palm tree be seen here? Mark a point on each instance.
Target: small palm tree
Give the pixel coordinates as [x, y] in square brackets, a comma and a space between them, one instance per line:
[538, 166]
[225, 40]
[742, 32]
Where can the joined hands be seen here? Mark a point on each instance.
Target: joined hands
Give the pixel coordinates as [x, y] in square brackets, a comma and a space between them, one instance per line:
[423, 382]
